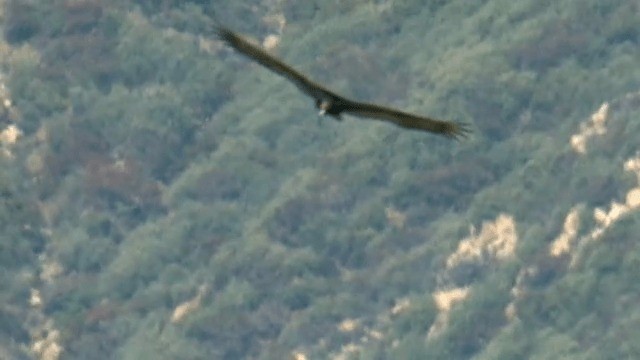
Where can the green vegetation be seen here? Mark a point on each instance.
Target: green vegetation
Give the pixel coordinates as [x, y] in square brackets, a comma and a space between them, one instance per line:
[153, 163]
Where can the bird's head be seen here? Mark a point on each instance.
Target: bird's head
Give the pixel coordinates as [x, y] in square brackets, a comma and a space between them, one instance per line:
[323, 106]
[328, 107]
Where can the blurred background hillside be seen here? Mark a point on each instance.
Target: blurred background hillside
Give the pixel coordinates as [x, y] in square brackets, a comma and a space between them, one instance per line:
[162, 197]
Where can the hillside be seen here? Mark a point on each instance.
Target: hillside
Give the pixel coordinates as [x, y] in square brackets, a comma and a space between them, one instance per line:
[163, 197]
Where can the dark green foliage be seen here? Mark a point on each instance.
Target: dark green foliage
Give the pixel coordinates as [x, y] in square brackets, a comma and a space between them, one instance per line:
[411, 347]
[417, 319]
[472, 326]
[24, 22]
[20, 220]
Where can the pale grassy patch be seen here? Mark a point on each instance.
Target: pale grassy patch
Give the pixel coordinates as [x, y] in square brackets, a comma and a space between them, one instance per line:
[45, 342]
[189, 306]
[497, 239]
[564, 242]
[271, 41]
[348, 325]
[445, 299]
[596, 125]
[395, 217]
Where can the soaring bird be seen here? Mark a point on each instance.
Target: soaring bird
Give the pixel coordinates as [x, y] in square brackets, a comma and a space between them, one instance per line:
[332, 104]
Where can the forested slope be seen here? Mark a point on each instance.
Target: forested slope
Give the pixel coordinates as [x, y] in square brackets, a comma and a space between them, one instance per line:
[163, 197]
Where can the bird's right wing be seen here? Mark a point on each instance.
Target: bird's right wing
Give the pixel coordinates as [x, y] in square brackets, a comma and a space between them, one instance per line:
[254, 52]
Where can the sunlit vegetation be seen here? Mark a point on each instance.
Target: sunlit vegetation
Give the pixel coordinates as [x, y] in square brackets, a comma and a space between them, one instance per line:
[163, 197]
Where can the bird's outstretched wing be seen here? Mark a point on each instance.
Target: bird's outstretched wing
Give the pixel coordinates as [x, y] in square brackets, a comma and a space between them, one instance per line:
[451, 129]
[333, 103]
[246, 48]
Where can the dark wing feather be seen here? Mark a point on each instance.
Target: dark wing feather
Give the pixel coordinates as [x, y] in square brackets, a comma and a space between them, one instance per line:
[265, 59]
[450, 129]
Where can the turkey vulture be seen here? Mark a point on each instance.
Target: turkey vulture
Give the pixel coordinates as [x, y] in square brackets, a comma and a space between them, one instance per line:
[328, 102]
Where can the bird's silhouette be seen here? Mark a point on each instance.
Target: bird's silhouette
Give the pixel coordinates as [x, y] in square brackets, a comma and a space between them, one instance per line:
[330, 103]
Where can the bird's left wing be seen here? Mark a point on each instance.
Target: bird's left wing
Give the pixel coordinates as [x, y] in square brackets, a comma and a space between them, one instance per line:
[450, 129]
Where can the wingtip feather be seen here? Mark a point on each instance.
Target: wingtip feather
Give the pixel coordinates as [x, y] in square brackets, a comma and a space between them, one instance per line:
[459, 131]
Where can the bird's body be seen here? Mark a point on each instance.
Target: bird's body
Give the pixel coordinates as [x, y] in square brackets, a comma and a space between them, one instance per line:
[332, 104]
